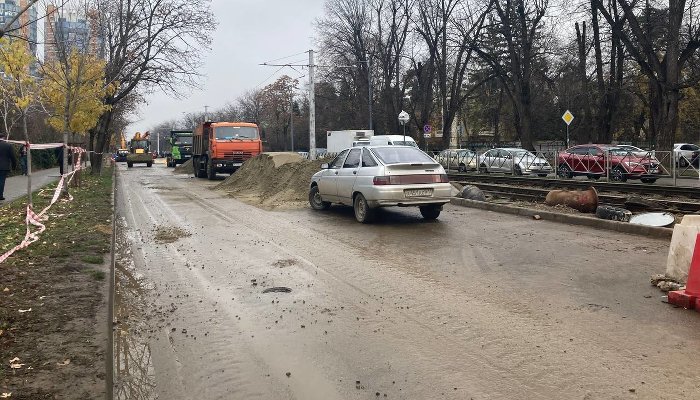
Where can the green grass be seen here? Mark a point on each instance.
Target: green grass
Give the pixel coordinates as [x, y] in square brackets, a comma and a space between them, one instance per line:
[97, 274]
[92, 259]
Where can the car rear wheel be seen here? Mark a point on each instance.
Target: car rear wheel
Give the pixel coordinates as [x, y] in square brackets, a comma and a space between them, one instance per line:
[617, 174]
[565, 172]
[316, 201]
[149, 164]
[483, 169]
[430, 212]
[462, 168]
[517, 170]
[363, 213]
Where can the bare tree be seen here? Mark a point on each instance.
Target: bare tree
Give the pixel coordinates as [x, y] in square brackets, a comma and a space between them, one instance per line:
[149, 45]
[662, 41]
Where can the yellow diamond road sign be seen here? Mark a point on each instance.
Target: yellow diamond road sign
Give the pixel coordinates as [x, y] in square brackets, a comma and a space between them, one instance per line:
[568, 117]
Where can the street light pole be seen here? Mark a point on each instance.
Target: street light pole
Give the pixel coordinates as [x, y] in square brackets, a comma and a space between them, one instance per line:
[312, 109]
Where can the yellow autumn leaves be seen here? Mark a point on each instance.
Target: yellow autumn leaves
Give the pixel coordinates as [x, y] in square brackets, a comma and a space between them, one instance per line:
[71, 90]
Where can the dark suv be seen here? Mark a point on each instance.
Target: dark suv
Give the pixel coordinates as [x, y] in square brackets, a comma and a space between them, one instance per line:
[596, 160]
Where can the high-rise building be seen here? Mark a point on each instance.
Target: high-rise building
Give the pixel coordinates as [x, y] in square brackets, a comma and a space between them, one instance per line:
[26, 24]
[67, 31]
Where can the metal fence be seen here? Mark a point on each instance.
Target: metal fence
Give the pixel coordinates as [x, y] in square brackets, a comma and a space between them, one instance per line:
[674, 168]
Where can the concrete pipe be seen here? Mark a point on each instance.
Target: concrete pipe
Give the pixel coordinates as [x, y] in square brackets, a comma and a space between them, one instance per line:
[583, 200]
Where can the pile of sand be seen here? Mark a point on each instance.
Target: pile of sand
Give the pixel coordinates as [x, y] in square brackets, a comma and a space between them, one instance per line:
[273, 180]
[184, 168]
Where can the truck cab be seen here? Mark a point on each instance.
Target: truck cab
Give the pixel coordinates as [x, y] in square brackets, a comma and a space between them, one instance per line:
[180, 148]
[222, 147]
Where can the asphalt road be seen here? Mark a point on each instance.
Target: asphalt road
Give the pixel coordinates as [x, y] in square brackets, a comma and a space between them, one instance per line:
[475, 305]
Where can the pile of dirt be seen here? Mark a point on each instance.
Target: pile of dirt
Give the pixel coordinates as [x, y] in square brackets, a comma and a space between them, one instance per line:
[184, 168]
[169, 234]
[273, 180]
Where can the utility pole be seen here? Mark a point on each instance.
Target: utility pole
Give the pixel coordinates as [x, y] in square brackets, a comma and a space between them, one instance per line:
[206, 113]
[158, 143]
[291, 119]
[369, 90]
[312, 109]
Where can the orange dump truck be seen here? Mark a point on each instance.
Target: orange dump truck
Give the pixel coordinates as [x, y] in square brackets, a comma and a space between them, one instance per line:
[223, 147]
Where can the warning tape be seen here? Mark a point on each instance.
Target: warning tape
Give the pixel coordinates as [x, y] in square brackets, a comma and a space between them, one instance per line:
[37, 220]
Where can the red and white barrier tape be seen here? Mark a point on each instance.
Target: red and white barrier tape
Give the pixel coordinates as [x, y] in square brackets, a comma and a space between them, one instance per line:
[36, 219]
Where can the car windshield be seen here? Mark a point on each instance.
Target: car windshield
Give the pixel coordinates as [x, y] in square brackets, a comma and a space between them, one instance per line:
[401, 155]
[235, 132]
[139, 144]
[183, 139]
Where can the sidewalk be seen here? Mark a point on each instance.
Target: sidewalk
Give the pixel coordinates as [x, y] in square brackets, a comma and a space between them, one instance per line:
[16, 186]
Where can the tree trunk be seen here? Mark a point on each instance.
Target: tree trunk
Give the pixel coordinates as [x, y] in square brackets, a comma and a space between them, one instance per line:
[585, 124]
[102, 140]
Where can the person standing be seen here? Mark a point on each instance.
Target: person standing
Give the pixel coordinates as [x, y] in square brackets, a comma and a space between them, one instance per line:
[23, 158]
[59, 156]
[8, 162]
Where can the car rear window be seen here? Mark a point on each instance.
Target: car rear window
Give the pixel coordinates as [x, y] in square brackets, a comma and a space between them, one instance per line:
[401, 155]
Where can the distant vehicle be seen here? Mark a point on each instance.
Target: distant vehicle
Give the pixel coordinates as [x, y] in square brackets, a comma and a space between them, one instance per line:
[465, 160]
[686, 154]
[370, 177]
[120, 155]
[358, 143]
[223, 147]
[337, 141]
[636, 150]
[180, 147]
[596, 160]
[392, 140]
[514, 160]
[139, 150]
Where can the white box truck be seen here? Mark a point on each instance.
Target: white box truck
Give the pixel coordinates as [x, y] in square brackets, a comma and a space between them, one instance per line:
[337, 141]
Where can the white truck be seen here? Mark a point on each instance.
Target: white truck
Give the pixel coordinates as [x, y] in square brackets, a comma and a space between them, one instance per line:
[337, 141]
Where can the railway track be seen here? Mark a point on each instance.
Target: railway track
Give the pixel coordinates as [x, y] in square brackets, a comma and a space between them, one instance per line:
[537, 194]
[601, 187]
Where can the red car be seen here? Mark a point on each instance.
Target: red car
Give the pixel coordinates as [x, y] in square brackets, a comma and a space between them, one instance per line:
[595, 160]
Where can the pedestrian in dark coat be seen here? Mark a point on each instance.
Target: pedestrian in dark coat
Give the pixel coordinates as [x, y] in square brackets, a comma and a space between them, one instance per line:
[23, 158]
[8, 162]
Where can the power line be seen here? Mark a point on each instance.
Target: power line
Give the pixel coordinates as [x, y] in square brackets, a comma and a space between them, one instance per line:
[283, 58]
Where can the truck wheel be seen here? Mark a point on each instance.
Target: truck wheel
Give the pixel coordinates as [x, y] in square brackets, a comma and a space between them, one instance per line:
[211, 172]
[129, 164]
[430, 213]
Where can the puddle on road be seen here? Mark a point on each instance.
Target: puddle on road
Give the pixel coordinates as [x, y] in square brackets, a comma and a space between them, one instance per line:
[133, 368]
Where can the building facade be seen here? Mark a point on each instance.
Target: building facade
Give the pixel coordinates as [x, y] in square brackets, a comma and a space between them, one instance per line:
[68, 31]
[26, 25]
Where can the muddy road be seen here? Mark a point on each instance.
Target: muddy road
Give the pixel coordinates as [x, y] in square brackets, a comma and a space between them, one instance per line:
[476, 305]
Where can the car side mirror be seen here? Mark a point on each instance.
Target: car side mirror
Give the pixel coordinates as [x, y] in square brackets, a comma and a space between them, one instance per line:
[324, 166]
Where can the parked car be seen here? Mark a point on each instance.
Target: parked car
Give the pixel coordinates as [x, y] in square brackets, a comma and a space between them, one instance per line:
[370, 177]
[596, 160]
[686, 154]
[636, 150]
[465, 160]
[120, 155]
[514, 160]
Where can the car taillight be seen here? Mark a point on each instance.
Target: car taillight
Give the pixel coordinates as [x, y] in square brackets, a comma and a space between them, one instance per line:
[410, 179]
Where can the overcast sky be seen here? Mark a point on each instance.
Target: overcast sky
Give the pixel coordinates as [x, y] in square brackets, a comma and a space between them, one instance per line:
[249, 32]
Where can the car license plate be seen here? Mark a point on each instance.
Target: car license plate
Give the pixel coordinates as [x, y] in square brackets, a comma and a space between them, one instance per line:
[654, 171]
[418, 192]
[237, 164]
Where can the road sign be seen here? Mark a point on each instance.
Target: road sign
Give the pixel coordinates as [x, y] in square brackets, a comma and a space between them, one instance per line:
[438, 134]
[403, 117]
[568, 117]
[427, 128]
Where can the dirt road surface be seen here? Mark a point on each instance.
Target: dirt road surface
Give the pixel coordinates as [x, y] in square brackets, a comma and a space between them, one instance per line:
[476, 305]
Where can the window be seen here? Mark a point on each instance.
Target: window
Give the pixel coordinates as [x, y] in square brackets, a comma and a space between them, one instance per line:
[689, 147]
[594, 151]
[401, 155]
[338, 162]
[353, 160]
[368, 160]
[579, 151]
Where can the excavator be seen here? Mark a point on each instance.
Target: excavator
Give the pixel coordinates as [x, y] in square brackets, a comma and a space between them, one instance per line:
[139, 150]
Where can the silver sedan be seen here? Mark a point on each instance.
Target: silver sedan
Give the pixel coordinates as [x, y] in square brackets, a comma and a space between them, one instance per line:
[381, 176]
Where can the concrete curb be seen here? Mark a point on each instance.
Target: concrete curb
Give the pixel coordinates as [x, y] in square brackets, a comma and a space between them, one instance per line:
[623, 227]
